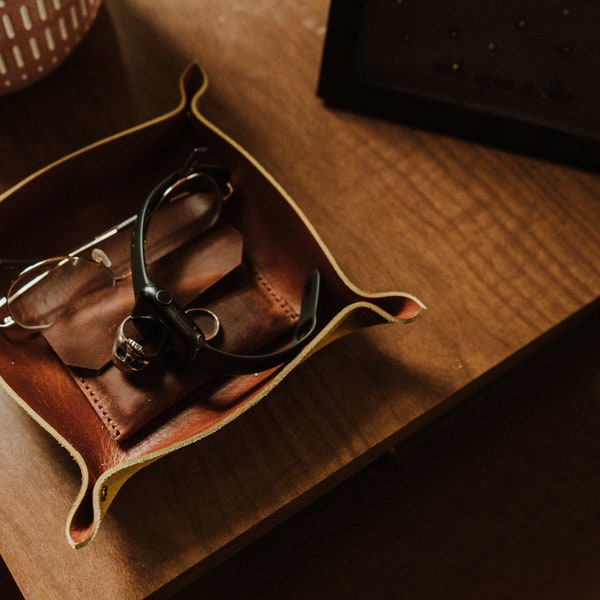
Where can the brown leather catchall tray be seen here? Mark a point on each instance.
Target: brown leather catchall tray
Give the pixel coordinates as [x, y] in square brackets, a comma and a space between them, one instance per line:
[254, 262]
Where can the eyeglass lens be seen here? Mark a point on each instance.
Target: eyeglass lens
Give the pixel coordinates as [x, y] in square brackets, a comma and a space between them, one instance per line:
[53, 289]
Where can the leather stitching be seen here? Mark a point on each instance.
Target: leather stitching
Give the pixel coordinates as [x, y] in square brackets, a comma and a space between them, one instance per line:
[279, 299]
[107, 418]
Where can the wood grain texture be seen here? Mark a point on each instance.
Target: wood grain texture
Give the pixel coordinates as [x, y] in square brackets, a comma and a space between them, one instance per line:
[500, 247]
[498, 499]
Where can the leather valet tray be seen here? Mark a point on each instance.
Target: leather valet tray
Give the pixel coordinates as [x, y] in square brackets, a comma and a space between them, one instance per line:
[253, 263]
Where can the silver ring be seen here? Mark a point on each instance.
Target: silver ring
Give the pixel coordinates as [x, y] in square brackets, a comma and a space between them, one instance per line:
[206, 320]
[130, 355]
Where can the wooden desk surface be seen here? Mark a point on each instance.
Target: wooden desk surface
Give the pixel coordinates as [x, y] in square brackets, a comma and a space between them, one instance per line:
[503, 249]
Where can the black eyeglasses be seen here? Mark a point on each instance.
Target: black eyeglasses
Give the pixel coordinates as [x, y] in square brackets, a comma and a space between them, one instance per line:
[169, 330]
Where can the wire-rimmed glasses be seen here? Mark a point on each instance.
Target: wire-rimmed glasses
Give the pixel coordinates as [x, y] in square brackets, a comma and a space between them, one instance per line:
[47, 290]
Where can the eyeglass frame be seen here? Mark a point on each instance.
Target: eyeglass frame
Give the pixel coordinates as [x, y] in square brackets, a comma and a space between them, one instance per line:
[30, 264]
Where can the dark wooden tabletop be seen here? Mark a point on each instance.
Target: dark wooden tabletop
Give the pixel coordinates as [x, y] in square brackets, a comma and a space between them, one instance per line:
[503, 249]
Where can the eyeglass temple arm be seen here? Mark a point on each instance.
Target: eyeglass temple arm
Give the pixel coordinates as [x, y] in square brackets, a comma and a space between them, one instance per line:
[192, 165]
[21, 263]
